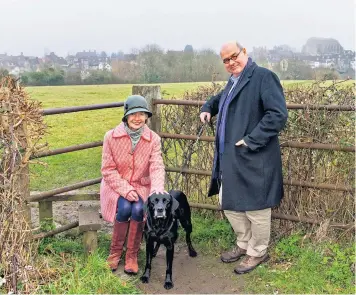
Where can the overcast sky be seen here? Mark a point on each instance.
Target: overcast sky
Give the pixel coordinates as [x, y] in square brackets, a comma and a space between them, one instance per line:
[68, 26]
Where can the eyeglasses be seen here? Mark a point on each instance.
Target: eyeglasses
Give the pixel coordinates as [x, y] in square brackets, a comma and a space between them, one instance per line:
[232, 57]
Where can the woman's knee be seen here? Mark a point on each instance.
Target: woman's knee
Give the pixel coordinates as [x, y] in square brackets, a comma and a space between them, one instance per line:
[124, 208]
[137, 210]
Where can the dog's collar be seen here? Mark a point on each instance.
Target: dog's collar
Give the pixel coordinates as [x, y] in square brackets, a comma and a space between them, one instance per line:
[152, 230]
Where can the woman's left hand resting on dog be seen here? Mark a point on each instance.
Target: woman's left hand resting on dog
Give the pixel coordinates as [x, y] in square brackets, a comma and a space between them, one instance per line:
[159, 192]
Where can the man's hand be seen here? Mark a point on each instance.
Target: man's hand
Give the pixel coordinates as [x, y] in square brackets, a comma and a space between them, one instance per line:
[132, 196]
[205, 117]
[241, 142]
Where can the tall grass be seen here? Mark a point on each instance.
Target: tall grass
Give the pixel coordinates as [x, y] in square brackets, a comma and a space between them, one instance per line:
[299, 266]
[77, 274]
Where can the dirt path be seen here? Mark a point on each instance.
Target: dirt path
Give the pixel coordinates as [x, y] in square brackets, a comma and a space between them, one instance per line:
[202, 274]
[199, 275]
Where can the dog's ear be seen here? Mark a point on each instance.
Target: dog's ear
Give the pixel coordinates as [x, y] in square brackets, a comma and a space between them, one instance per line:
[175, 204]
[145, 205]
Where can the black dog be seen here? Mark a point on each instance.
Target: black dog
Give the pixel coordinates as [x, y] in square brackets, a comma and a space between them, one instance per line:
[163, 213]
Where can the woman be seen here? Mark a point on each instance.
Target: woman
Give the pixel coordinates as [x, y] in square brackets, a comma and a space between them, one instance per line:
[132, 169]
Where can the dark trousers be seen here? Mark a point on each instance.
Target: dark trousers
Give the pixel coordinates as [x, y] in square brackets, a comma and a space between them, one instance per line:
[127, 209]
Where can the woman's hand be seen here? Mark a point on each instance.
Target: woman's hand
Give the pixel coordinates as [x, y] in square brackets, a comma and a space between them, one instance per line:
[132, 196]
[159, 192]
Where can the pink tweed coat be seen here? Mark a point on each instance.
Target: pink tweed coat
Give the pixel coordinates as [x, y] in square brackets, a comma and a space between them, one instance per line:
[123, 171]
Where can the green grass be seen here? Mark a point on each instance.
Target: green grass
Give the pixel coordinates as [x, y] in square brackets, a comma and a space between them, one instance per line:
[210, 233]
[78, 274]
[303, 267]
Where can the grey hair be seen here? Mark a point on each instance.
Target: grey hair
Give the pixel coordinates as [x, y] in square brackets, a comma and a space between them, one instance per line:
[239, 46]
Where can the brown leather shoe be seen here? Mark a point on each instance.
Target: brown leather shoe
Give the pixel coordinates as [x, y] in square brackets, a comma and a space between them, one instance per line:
[232, 255]
[249, 263]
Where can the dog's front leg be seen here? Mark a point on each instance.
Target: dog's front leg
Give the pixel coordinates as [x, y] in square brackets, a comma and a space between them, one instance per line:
[149, 255]
[155, 251]
[168, 283]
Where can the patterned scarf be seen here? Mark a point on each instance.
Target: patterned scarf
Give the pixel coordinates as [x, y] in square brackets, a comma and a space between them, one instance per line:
[135, 136]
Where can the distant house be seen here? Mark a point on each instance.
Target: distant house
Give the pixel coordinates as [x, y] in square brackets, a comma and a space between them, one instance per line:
[105, 67]
[16, 71]
[86, 55]
[93, 66]
[84, 75]
[313, 64]
[88, 60]
[19, 64]
[53, 59]
[322, 46]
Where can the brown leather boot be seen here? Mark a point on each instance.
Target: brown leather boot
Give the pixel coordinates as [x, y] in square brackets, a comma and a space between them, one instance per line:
[232, 255]
[249, 263]
[117, 243]
[133, 246]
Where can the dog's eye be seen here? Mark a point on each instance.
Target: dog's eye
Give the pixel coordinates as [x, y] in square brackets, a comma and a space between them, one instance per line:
[156, 200]
[164, 201]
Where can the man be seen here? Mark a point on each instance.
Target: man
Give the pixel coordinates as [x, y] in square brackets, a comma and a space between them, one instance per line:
[247, 169]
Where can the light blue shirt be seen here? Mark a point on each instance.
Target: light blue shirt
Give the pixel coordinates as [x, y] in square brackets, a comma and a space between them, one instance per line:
[234, 80]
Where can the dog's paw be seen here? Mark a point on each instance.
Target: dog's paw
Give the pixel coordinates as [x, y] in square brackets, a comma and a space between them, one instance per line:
[193, 253]
[144, 279]
[168, 285]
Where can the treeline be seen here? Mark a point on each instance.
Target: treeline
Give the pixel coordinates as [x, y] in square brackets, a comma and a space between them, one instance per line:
[54, 77]
[298, 70]
[152, 64]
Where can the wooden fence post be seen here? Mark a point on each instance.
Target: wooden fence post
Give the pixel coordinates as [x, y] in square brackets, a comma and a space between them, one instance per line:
[89, 224]
[45, 212]
[151, 93]
[23, 179]
[23, 182]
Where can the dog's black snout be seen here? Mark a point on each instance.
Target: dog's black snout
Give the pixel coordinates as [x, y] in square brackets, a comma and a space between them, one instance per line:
[159, 210]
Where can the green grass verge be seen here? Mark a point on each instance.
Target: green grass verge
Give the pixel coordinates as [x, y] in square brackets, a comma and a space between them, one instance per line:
[78, 274]
[301, 267]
